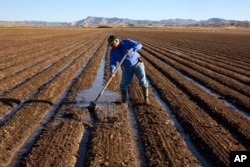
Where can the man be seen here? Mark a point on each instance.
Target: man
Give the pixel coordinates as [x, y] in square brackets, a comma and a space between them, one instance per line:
[130, 66]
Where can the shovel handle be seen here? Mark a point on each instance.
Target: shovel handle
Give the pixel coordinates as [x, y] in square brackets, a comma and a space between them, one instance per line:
[116, 69]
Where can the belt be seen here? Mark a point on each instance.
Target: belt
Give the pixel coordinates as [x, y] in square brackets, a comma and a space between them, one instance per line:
[138, 61]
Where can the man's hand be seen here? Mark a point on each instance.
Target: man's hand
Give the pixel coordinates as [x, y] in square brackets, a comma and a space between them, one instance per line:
[112, 75]
[127, 52]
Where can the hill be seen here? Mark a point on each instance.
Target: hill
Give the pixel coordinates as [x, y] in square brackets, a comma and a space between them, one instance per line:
[93, 21]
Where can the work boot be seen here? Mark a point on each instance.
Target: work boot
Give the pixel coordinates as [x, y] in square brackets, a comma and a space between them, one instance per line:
[145, 95]
[124, 95]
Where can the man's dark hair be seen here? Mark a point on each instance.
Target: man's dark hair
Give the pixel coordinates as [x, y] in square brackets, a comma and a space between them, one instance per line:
[111, 39]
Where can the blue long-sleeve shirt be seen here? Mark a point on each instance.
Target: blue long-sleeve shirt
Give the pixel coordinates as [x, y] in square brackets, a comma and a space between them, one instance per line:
[116, 54]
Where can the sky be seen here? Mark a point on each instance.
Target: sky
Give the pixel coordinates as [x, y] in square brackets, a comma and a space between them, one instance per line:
[75, 10]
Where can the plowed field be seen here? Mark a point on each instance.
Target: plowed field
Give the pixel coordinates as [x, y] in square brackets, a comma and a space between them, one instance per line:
[199, 107]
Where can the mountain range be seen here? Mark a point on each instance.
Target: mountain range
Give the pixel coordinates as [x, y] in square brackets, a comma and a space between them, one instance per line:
[92, 21]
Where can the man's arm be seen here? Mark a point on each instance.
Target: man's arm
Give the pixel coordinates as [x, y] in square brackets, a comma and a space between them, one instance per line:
[136, 45]
[112, 63]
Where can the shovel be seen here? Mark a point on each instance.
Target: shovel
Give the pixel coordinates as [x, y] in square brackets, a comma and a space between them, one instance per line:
[93, 103]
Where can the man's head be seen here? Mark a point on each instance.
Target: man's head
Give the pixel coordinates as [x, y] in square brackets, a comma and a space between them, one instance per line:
[113, 41]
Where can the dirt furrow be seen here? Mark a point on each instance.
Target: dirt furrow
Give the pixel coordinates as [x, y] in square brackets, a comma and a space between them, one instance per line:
[210, 57]
[116, 134]
[231, 95]
[49, 76]
[38, 109]
[225, 115]
[163, 145]
[209, 137]
[22, 56]
[68, 116]
[22, 93]
[190, 64]
[59, 144]
[203, 62]
[16, 80]
[26, 41]
[39, 57]
[35, 83]
[165, 41]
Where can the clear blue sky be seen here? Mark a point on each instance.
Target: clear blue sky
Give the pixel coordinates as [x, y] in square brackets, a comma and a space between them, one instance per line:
[74, 10]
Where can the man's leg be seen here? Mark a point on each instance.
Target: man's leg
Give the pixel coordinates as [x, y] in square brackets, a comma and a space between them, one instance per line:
[145, 94]
[141, 76]
[127, 75]
[124, 95]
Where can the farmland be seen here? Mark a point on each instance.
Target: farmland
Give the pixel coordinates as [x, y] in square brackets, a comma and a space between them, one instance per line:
[199, 98]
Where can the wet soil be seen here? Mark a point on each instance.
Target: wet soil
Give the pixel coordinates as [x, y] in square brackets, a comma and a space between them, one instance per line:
[44, 115]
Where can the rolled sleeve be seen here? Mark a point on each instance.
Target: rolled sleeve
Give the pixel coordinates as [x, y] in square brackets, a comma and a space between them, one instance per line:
[112, 63]
[137, 47]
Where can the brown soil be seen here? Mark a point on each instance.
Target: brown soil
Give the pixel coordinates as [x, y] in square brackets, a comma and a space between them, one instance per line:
[44, 119]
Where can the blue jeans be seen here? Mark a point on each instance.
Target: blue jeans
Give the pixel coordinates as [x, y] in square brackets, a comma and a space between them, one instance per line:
[128, 73]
